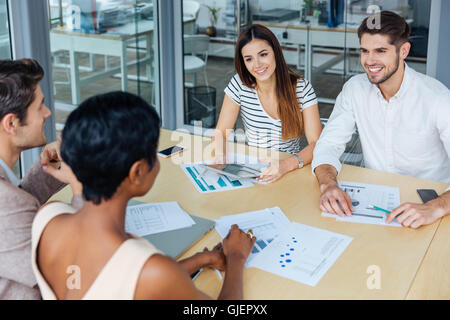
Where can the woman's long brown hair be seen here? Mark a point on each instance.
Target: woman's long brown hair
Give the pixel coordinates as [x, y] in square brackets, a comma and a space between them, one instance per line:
[286, 80]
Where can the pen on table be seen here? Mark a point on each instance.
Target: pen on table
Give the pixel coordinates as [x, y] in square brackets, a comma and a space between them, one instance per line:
[379, 209]
[195, 274]
[219, 274]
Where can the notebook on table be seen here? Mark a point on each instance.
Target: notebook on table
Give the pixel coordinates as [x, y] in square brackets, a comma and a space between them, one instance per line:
[175, 242]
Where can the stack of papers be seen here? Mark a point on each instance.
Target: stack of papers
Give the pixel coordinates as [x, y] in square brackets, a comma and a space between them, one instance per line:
[365, 195]
[206, 181]
[292, 250]
[266, 225]
[150, 218]
[249, 161]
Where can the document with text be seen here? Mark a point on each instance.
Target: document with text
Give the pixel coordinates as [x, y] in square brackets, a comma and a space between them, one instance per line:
[370, 203]
[302, 253]
[150, 218]
[207, 181]
[265, 224]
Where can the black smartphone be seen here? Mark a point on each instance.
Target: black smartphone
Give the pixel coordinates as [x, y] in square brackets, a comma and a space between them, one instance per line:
[170, 151]
[427, 194]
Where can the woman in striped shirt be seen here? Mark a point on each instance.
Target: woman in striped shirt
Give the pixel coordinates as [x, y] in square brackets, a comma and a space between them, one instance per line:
[276, 104]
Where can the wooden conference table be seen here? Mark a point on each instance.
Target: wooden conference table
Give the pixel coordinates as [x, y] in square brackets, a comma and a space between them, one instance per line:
[413, 264]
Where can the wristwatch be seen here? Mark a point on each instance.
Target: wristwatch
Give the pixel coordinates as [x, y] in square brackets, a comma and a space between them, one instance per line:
[300, 161]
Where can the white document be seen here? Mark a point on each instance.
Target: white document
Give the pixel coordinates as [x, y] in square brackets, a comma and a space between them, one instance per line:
[207, 181]
[266, 225]
[302, 253]
[249, 161]
[145, 219]
[364, 195]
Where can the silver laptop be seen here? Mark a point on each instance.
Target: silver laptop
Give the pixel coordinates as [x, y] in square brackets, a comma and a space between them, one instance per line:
[175, 242]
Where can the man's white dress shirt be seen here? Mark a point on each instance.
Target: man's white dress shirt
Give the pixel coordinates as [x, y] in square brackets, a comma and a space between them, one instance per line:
[409, 134]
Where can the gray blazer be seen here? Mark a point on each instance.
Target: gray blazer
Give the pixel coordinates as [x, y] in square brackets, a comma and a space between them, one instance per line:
[18, 207]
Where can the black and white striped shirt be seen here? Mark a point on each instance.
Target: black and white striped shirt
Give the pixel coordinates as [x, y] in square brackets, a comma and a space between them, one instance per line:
[261, 129]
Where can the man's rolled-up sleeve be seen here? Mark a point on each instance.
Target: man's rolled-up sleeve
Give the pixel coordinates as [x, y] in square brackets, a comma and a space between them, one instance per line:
[443, 120]
[40, 184]
[336, 134]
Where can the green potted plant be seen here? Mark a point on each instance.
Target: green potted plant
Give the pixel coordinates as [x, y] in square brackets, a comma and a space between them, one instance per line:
[309, 6]
[213, 17]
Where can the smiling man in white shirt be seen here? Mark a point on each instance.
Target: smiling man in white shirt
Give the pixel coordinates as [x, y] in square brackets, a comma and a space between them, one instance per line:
[403, 121]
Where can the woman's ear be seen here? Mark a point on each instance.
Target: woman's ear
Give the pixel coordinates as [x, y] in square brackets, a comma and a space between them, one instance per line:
[138, 171]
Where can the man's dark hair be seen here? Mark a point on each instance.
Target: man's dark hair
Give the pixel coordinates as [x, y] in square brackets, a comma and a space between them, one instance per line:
[391, 24]
[18, 81]
[104, 136]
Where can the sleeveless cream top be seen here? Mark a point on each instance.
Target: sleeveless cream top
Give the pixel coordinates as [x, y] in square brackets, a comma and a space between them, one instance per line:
[118, 278]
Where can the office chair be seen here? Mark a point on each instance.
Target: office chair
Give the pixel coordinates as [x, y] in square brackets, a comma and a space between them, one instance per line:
[191, 10]
[195, 56]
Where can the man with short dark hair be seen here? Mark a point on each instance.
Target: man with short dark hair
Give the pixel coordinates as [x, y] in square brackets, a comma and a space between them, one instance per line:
[22, 119]
[402, 117]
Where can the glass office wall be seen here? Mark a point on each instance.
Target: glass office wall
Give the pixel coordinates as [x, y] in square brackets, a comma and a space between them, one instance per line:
[5, 48]
[101, 46]
[5, 43]
[318, 37]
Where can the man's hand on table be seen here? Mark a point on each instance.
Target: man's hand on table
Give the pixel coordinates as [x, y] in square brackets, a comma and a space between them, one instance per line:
[414, 215]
